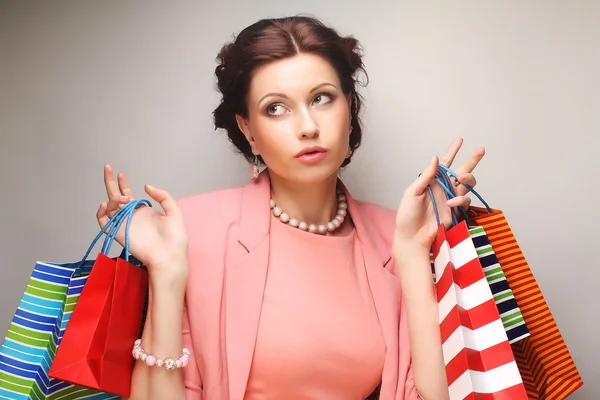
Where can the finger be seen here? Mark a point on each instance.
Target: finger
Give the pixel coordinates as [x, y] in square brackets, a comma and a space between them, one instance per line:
[451, 153]
[116, 203]
[420, 185]
[469, 165]
[101, 215]
[124, 185]
[467, 178]
[112, 188]
[458, 201]
[163, 198]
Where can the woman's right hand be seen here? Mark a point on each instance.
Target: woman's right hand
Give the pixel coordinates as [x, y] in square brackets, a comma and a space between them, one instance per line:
[158, 239]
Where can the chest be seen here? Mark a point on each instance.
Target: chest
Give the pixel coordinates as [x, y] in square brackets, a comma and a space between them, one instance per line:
[232, 287]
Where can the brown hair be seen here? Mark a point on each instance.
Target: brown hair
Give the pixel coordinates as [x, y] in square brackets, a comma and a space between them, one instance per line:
[274, 39]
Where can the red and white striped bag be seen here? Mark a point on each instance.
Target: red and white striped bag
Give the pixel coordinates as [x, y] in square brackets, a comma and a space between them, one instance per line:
[479, 360]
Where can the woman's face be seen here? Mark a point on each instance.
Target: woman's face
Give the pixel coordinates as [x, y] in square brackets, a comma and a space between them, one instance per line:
[298, 118]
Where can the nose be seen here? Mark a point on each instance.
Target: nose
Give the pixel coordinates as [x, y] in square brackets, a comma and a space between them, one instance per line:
[308, 126]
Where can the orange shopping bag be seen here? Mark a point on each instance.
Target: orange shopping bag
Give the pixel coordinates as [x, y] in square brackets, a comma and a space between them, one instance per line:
[547, 368]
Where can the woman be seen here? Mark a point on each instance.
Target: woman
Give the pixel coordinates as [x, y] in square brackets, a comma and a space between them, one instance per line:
[288, 288]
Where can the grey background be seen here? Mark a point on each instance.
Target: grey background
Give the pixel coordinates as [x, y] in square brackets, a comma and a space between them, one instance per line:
[83, 83]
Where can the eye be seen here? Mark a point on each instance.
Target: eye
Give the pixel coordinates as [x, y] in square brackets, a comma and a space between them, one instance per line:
[323, 98]
[275, 109]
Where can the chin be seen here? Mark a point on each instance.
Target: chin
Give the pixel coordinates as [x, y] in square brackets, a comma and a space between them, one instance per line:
[310, 174]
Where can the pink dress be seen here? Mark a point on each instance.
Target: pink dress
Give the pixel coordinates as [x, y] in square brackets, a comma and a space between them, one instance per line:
[319, 336]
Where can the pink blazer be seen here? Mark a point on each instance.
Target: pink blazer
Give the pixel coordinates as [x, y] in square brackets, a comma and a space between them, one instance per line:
[228, 259]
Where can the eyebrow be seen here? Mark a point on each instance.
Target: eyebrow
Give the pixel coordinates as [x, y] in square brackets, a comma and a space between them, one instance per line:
[286, 97]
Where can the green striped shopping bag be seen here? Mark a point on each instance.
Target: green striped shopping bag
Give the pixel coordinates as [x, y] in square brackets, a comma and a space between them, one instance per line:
[35, 332]
[38, 325]
[509, 310]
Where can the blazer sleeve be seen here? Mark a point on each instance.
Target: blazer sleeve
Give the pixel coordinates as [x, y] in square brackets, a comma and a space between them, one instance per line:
[191, 373]
[406, 375]
[385, 219]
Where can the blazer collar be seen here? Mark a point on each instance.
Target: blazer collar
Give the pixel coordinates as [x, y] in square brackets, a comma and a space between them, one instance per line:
[256, 214]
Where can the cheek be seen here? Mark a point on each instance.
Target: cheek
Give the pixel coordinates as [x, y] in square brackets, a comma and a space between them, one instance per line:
[265, 131]
[339, 123]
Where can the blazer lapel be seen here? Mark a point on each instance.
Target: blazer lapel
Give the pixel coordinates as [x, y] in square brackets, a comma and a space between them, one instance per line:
[245, 283]
[385, 289]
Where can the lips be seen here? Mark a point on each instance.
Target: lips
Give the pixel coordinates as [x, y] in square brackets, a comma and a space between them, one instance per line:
[311, 151]
[311, 155]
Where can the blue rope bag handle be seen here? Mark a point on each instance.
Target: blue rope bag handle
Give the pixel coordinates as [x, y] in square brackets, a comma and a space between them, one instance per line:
[125, 214]
[112, 227]
[435, 209]
[444, 181]
[471, 189]
[440, 178]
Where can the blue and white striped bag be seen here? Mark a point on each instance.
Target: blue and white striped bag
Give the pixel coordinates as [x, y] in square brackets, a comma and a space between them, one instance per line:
[38, 325]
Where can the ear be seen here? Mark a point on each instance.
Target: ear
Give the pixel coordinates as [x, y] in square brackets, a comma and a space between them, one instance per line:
[243, 125]
[349, 101]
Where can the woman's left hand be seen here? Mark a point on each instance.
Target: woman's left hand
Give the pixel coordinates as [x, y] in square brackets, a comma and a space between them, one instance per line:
[416, 224]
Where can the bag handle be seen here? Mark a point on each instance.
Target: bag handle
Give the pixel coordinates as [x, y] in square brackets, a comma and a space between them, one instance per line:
[122, 215]
[440, 178]
[444, 181]
[435, 209]
[471, 189]
[109, 229]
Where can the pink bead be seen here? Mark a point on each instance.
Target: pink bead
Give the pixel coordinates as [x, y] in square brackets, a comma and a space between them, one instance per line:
[150, 360]
[170, 364]
[136, 353]
[184, 360]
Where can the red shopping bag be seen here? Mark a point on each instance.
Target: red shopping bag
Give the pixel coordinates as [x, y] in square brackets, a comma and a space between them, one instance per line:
[95, 350]
[477, 354]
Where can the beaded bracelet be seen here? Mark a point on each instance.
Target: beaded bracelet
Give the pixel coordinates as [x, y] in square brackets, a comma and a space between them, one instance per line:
[169, 364]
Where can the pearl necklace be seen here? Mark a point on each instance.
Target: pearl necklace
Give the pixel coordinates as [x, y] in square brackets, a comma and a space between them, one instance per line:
[342, 211]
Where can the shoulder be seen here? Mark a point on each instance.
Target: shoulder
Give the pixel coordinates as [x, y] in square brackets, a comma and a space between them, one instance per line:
[383, 219]
[214, 205]
[209, 218]
[380, 213]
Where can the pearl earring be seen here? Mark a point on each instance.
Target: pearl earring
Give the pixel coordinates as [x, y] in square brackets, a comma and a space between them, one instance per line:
[255, 167]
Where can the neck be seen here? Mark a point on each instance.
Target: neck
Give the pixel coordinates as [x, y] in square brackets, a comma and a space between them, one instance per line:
[313, 203]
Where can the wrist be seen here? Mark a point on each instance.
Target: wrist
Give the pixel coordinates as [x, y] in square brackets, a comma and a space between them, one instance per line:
[406, 248]
[168, 276]
[413, 261]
